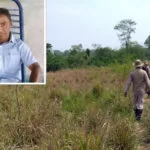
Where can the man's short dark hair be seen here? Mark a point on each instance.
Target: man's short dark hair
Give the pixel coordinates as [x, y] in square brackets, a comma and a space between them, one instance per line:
[4, 11]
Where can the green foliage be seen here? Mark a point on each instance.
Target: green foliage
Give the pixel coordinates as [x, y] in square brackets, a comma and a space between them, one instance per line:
[103, 56]
[123, 69]
[48, 48]
[147, 42]
[74, 103]
[55, 62]
[97, 91]
[77, 57]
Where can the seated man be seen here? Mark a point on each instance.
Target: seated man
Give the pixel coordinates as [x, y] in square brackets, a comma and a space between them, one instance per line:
[13, 53]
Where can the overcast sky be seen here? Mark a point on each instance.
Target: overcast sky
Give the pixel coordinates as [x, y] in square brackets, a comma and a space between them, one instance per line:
[71, 22]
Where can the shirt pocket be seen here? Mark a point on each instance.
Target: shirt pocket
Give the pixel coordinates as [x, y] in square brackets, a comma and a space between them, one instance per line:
[12, 62]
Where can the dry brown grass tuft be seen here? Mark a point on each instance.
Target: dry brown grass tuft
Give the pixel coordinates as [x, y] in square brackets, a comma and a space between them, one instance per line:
[72, 111]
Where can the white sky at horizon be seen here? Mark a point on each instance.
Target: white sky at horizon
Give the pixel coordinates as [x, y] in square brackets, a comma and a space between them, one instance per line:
[71, 22]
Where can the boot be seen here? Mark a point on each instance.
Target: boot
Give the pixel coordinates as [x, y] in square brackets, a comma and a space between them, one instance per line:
[138, 114]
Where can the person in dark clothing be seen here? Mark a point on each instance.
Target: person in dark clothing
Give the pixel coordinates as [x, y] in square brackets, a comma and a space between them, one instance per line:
[146, 68]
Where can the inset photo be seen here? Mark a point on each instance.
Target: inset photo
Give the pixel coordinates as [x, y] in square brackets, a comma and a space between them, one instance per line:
[22, 47]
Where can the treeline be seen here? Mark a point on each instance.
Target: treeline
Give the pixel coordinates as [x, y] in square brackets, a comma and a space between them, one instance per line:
[77, 56]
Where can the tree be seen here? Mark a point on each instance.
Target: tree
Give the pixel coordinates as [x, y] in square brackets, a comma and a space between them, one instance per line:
[135, 44]
[147, 42]
[96, 46]
[77, 56]
[76, 60]
[77, 48]
[88, 52]
[103, 56]
[58, 53]
[48, 48]
[125, 28]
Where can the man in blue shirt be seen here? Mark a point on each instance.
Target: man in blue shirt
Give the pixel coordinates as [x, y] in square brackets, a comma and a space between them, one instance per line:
[13, 53]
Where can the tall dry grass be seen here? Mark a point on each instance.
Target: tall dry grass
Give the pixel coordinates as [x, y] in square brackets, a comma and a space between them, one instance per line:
[80, 109]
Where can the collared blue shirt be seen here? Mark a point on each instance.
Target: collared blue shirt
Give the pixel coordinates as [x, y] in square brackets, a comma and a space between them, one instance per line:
[12, 54]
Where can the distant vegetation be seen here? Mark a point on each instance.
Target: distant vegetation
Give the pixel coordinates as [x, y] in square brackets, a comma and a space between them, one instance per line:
[78, 57]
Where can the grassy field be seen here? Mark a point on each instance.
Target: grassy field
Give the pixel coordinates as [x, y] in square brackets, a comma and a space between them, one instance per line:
[79, 109]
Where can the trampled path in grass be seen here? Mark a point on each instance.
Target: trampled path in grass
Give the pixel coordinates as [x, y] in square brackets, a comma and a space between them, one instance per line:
[143, 127]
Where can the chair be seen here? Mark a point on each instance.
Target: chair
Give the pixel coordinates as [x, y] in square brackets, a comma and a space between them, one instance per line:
[18, 27]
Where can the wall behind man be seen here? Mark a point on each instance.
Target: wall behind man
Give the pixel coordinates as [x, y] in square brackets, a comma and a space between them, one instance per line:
[34, 25]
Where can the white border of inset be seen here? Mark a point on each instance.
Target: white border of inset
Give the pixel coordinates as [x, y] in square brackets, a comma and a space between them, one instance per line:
[44, 48]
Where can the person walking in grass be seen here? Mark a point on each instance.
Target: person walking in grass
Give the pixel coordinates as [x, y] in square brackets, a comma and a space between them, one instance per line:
[141, 82]
[146, 68]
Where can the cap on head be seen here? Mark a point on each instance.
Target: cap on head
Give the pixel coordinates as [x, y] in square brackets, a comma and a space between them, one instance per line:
[138, 63]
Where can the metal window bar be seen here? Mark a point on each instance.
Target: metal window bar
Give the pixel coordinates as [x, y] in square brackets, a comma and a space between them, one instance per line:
[19, 19]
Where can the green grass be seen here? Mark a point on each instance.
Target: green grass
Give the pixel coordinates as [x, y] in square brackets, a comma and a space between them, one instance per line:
[79, 109]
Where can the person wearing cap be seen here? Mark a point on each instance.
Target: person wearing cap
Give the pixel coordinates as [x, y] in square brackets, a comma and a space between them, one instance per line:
[14, 52]
[146, 68]
[141, 82]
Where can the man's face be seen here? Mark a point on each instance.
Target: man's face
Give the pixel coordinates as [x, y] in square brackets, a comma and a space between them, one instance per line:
[5, 27]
